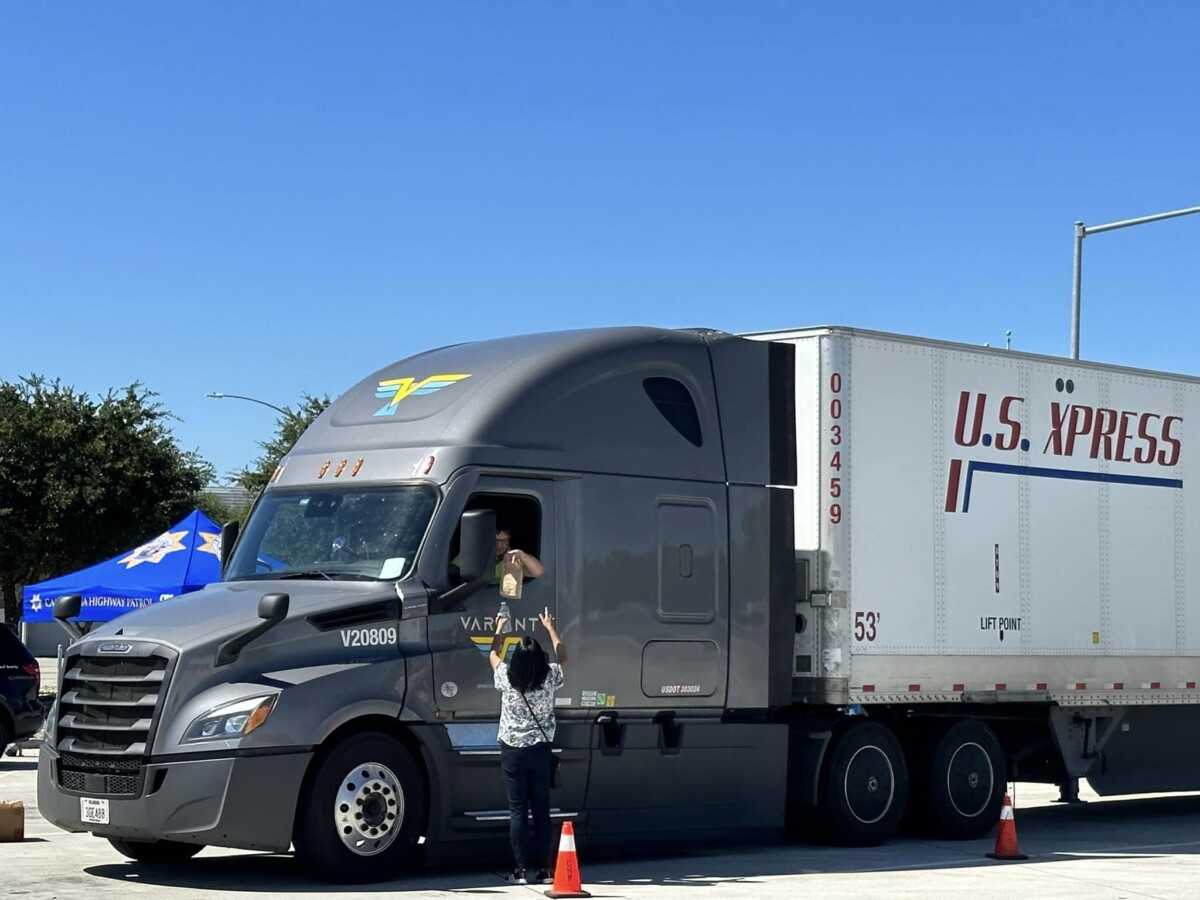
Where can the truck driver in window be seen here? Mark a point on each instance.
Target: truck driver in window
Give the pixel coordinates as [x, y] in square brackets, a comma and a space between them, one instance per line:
[530, 564]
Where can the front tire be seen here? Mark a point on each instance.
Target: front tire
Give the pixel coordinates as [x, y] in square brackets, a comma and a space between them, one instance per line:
[966, 781]
[363, 813]
[156, 851]
[864, 787]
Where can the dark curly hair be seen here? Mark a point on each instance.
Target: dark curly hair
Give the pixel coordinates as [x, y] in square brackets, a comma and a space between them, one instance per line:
[528, 668]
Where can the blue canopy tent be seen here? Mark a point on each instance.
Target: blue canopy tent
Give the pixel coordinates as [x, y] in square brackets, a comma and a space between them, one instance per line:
[183, 558]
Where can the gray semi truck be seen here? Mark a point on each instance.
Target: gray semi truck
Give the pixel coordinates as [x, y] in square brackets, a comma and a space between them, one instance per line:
[812, 574]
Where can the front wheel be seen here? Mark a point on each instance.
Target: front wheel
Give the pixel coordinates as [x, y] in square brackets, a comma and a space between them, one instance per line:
[363, 813]
[966, 781]
[864, 787]
[156, 851]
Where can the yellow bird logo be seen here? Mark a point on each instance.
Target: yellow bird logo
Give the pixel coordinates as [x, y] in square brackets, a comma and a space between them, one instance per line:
[396, 389]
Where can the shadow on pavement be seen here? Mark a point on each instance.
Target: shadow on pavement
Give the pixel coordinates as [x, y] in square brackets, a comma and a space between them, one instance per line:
[1126, 829]
[17, 764]
[265, 872]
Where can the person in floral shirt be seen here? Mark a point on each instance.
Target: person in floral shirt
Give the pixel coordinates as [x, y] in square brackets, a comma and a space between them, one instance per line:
[527, 684]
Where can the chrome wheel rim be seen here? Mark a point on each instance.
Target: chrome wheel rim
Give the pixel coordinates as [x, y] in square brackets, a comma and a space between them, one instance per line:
[368, 809]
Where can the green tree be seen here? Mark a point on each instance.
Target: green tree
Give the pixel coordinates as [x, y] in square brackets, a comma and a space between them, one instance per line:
[221, 510]
[288, 429]
[82, 479]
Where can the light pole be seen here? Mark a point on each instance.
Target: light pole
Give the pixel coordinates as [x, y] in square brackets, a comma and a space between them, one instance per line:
[1082, 231]
[279, 409]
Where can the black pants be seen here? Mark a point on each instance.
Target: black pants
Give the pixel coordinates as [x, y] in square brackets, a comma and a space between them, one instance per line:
[527, 782]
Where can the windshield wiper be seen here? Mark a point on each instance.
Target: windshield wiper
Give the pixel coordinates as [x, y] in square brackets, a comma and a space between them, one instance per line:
[307, 573]
[328, 576]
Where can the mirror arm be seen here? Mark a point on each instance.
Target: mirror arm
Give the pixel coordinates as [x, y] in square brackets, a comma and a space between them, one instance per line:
[71, 628]
[229, 651]
[452, 598]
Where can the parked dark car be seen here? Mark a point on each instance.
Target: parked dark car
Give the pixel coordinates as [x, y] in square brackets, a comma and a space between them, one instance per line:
[21, 712]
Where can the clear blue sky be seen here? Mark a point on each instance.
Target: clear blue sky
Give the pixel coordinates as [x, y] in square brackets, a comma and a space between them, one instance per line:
[277, 198]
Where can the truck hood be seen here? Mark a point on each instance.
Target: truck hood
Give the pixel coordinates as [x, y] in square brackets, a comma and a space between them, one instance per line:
[231, 607]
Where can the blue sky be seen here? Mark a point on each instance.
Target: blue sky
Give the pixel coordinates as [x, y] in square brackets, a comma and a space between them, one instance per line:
[277, 198]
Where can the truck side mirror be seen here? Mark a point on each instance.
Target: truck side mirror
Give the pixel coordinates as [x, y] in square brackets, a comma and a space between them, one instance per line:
[476, 546]
[68, 607]
[229, 536]
[477, 543]
[273, 607]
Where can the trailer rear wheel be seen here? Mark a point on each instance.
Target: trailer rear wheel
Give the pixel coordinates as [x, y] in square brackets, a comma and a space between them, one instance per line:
[363, 813]
[864, 787]
[156, 851]
[966, 782]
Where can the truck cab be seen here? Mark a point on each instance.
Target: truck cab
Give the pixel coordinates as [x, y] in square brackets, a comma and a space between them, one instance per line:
[333, 693]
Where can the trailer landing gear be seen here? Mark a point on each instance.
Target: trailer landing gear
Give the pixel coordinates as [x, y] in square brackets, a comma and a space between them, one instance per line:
[1068, 791]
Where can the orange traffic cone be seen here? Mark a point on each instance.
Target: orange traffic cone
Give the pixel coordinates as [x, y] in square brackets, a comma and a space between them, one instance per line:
[1006, 835]
[566, 871]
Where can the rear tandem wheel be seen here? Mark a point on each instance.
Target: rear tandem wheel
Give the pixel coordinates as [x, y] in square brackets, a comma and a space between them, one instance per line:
[864, 785]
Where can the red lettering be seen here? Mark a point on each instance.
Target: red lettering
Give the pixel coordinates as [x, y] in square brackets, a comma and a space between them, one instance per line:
[1146, 454]
[1165, 458]
[1058, 418]
[960, 426]
[1106, 426]
[1081, 424]
[1124, 435]
[1014, 436]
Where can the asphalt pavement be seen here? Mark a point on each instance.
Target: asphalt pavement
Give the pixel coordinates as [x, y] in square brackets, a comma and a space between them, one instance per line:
[1103, 850]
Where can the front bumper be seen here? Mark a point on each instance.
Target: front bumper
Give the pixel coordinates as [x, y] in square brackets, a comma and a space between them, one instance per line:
[248, 802]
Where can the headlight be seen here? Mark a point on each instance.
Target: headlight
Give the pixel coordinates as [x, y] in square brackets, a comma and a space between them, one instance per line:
[233, 720]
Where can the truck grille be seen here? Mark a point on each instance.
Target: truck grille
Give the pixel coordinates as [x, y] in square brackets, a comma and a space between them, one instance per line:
[106, 717]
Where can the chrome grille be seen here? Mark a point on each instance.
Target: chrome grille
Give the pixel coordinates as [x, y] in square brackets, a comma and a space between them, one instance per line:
[106, 716]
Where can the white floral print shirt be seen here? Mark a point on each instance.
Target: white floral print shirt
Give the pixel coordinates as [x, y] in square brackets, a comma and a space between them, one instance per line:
[517, 726]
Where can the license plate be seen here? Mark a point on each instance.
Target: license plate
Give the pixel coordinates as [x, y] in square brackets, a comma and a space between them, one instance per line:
[93, 811]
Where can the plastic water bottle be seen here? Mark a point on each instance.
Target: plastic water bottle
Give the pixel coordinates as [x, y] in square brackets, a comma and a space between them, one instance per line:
[507, 615]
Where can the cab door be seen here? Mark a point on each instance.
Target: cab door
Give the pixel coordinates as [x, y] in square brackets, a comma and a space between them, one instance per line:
[460, 639]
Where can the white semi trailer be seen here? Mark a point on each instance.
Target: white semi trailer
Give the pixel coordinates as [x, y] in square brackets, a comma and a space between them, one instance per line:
[821, 571]
[1004, 571]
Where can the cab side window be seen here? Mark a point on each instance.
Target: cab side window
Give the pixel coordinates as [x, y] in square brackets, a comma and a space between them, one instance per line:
[518, 527]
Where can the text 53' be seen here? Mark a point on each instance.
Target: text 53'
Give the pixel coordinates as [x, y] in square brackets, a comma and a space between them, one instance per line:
[865, 625]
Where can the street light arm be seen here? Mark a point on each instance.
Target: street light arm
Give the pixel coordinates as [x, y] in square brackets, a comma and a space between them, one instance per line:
[1157, 217]
[279, 409]
[1082, 231]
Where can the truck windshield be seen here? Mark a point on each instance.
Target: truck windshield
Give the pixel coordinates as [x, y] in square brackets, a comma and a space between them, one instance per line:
[369, 535]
